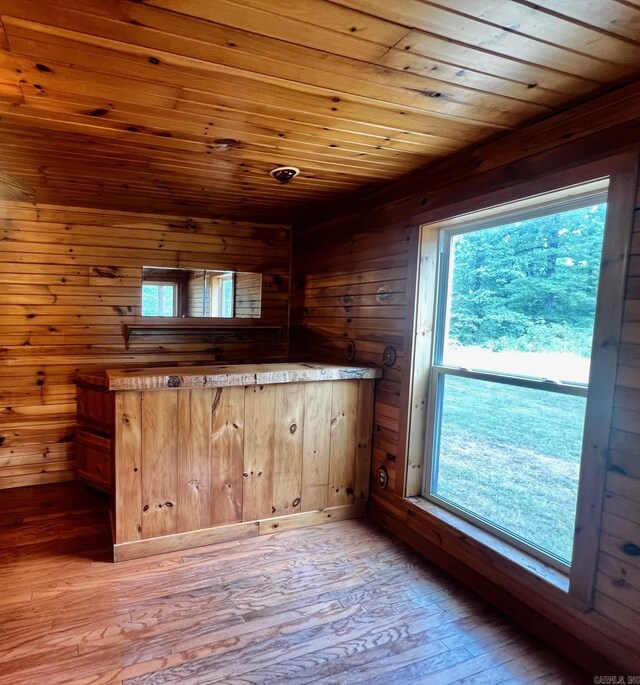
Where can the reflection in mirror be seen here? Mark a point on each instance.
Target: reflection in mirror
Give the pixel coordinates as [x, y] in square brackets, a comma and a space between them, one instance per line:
[200, 292]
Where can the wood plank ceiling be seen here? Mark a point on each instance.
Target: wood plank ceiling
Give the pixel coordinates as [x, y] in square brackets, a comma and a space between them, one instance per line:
[119, 104]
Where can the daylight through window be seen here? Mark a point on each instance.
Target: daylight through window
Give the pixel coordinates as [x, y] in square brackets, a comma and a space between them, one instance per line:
[159, 299]
[514, 326]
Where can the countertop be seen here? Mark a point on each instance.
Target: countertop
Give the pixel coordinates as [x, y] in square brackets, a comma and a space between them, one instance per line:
[161, 378]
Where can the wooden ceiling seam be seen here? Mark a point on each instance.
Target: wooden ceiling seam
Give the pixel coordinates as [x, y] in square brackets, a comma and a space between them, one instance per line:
[164, 61]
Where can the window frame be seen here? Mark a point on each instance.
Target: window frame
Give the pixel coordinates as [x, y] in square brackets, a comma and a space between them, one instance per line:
[227, 278]
[216, 282]
[621, 170]
[176, 292]
[168, 276]
[593, 194]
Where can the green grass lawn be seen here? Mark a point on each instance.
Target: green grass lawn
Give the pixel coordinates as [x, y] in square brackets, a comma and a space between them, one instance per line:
[512, 456]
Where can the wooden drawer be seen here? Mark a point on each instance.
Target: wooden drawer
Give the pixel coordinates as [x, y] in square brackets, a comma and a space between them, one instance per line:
[94, 460]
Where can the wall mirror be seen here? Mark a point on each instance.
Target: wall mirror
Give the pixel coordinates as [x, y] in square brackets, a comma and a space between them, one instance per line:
[181, 293]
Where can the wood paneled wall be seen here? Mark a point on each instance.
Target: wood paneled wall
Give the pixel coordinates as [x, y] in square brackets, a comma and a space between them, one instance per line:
[70, 278]
[354, 280]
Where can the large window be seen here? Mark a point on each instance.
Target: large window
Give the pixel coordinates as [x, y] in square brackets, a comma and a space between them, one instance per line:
[515, 311]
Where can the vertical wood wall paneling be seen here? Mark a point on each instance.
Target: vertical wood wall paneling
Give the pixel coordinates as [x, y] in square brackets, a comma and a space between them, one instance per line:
[363, 441]
[128, 463]
[227, 454]
[344, 414]
[160, 423]
[288, 443]
[196, 459]
[257, 490]
[70, 278]
[194, 491]
[316, 445]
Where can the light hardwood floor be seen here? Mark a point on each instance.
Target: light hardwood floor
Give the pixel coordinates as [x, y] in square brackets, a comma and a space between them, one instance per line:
[338, 604]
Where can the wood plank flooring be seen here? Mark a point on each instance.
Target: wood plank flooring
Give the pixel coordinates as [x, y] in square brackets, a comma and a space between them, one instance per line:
[340, 603]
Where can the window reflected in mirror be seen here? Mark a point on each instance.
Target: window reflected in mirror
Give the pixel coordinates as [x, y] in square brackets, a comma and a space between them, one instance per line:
[213, 293]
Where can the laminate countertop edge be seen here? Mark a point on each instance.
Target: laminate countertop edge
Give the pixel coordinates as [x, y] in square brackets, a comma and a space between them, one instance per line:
[233, 375]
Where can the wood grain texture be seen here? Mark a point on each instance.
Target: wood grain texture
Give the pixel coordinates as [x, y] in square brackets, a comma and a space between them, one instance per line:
[161, 423]
[70, 279]
[132, 99]
[194, 460]
[94, 460]
[316, 445]
[260, 426]
[127, 502]
[223, 375]
[338, 603]
[289, 416]
[200, 464]
[227, 454]
[604, 359]
[367, 250]
[344, 415]
[139, 549]
[364, 429]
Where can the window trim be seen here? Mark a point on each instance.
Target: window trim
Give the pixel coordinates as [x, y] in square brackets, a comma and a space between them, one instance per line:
[220, 278]
[176, 292]
[554, 203]
[168, 276]
[622, 172]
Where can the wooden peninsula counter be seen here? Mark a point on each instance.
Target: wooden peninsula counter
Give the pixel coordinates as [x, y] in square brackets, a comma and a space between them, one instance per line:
[198, 455]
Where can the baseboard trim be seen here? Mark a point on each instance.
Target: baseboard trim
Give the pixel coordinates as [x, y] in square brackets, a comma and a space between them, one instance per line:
[234, 531]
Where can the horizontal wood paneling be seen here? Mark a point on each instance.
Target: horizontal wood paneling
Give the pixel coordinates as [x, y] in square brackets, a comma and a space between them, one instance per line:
[70, 278]
[367, 252]
[248, 295]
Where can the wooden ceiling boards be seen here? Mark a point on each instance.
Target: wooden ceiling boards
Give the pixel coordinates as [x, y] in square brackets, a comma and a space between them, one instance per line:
[119, 104]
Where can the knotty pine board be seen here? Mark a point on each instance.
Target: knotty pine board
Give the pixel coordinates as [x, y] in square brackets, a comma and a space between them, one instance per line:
[316, 447]
[194, 441]
[259, 451]
[70, 278]
[227, 449]
[214, 460]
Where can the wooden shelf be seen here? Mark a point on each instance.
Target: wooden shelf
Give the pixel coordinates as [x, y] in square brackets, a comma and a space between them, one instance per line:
[207, 331]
